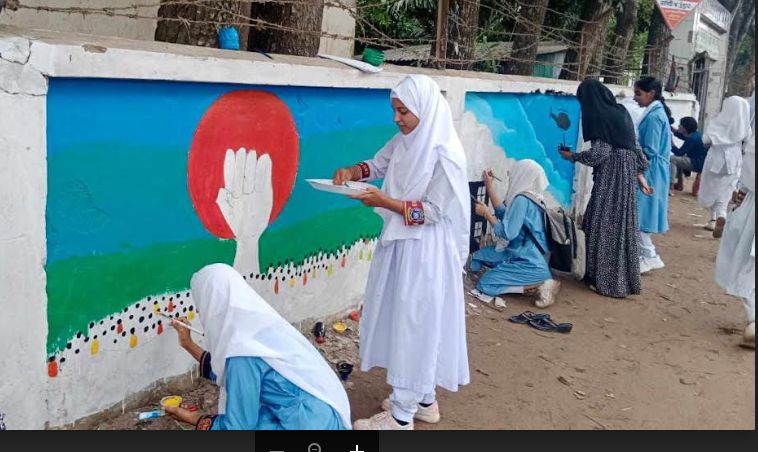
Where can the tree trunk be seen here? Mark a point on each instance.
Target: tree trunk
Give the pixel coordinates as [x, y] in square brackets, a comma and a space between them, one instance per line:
[743, 14]
[582, 58]
[462, 23]
[526, 38]
[656, 59]
[292, 28]
[196, 24]
[615, 61]
[742, 77]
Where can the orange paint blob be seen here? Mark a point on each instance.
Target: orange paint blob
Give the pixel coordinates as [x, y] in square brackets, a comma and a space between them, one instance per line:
[133, 341]
[52, 369]
[276, 287]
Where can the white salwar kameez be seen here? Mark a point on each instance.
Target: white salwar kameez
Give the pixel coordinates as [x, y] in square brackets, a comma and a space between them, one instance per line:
[413, 321]
[735, 264]
[721, 171]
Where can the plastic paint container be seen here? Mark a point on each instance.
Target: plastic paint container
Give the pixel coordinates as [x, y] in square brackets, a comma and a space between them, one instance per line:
[373, 56]
[150, 415]
[228, 38]
[171, 401]
[344, 369]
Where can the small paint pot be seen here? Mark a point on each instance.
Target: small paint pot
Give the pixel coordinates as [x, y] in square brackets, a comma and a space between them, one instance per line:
[171, 401]
[340, 327]
[344, 369]
[355, 316]
[319, 332]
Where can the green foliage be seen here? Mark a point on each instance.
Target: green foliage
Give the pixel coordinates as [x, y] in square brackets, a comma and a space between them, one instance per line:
[406, 21]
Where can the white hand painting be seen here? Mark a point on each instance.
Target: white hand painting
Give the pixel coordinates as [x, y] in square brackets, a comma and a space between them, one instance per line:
[246, 201]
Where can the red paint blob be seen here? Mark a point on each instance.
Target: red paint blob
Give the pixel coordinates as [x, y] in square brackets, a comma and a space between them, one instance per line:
[254, 120]
[120, 328]
[160, 328]
[52, 369]
[276, 287]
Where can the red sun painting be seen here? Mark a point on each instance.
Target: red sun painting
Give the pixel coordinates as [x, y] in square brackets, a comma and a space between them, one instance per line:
[254, 120]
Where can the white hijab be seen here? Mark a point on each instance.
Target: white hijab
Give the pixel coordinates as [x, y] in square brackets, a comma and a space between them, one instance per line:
[747, 178]
[414, 157]
[238, 322]
[732, 125]
[526, 176]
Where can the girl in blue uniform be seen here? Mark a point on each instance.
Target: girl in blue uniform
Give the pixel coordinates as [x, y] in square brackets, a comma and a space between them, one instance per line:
[517, 264]
[655, 141]
[271, 377]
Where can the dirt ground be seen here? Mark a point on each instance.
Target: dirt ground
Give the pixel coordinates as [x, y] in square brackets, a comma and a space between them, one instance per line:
[668, 359]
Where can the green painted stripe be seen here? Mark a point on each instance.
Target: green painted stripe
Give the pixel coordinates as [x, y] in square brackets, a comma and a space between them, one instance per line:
[85, 289]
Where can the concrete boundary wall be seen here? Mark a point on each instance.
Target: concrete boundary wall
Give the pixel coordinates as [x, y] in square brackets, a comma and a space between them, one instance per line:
[39, 389]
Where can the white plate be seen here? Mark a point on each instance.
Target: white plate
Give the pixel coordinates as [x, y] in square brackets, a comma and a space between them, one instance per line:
[351, 188]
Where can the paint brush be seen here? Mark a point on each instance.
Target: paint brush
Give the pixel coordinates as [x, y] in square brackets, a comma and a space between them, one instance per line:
[182, 324]
[492, 175]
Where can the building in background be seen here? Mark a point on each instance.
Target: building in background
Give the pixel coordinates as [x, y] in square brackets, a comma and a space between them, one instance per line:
[699, 52]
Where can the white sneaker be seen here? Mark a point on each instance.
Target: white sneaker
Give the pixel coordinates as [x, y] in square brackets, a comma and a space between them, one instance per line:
[381, 421]
[548, 290]
[710, 226]
[648, 264]
[656, 263]
[482, 297]
[429, 414]
[748, 338]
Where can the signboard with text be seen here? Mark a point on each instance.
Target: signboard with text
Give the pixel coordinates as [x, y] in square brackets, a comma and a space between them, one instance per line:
[675, 11]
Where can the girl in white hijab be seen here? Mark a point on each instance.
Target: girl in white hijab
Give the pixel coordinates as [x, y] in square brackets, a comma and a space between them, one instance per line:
[520, 266]
[725, 133]
[735, 263]
[413, 321]
[271, 377]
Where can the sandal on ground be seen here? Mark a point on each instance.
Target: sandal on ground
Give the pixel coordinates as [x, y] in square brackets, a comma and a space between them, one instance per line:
[545, 324]
[526, 316]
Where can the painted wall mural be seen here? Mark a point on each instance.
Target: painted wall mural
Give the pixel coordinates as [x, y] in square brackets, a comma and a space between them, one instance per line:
[500, 128]
[149, 181]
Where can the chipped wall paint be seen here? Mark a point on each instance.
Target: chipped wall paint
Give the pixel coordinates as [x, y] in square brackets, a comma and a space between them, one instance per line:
[94, 257]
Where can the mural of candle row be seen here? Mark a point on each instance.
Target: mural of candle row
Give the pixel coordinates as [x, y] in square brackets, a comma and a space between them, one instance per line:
[149, 318]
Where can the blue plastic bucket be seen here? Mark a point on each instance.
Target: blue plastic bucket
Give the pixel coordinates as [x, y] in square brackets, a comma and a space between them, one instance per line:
[228, 38]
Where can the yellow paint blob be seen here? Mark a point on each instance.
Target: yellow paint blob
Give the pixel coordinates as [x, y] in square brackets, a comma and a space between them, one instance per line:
[292, 282]
[330, 270]
[156, 309]
[94, 347]
[133, 341]
[171, 401]
[191, 316]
